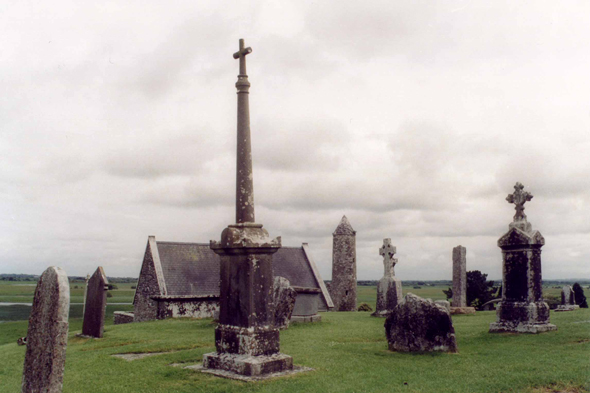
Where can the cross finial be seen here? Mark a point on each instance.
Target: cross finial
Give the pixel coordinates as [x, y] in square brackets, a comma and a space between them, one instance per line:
[387, 251]
[519, 198]
[241, 54]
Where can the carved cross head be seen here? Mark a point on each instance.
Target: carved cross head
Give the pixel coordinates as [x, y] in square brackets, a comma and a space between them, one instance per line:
[241, 54]
[519, 197]
[387, 251]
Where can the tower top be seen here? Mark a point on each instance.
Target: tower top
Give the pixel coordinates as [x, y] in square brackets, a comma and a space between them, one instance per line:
[344, 228]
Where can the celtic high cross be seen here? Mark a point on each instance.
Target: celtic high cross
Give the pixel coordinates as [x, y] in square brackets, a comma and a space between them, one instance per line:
[519, 198]
[387, 251]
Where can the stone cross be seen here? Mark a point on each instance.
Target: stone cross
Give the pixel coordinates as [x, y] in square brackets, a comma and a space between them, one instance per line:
[387, 251]
[519, 198]
[95, 305]
[47, 335]
[244, 176]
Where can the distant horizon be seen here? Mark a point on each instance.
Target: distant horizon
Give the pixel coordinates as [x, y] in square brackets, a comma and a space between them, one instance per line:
[585, 280]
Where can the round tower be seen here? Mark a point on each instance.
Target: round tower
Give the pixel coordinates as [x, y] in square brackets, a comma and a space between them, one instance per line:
[343, 287]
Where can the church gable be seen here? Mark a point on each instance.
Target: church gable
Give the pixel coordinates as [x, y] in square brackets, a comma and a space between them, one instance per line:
[151, 282]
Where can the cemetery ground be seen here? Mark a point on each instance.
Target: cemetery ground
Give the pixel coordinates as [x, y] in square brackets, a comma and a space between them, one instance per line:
[348, 351]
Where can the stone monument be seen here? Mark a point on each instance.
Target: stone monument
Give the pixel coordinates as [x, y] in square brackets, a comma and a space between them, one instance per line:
[343, 287]
[522, 308]
[459, 302]
[284, 299]
[47, 336]
[568, 299]
[246, 339]
[418, 324]
[389, 288]
[96, 304]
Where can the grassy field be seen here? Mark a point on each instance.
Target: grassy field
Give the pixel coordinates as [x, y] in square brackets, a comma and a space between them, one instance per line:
[347, 350]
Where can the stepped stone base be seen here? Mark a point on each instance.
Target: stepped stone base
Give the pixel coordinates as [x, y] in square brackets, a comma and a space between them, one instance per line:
[498, 327]
[306, 318]
[568, 307]
[246, 365]
[462, 310]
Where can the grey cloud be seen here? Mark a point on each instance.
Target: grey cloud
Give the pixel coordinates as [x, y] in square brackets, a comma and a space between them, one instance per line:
[300, 145]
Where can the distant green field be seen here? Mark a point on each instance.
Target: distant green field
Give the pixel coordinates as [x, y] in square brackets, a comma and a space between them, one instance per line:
[17, 292]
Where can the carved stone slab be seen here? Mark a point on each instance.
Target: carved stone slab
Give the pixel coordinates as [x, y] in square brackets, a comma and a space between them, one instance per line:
[284, 298]
[47, 336]
[96, 304]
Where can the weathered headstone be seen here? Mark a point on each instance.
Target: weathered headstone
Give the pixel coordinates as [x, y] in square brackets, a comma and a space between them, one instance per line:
[389, 288]
[246, 339]
[418, 324]
[459, 301]
[96, 304]
[47, 335]
[522, 308]
[568, 299]
[343, 287]
[284, 299]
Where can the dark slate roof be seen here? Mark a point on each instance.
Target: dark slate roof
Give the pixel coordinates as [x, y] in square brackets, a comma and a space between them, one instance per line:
[344, 228]
[193, 268]
[189, 268]
[291, 263]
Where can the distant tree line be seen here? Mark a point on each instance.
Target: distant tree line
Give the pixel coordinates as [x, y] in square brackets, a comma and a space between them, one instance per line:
[18, 277]
[479, 290]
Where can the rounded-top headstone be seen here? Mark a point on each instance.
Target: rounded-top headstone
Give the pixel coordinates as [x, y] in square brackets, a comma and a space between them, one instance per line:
[47, 335]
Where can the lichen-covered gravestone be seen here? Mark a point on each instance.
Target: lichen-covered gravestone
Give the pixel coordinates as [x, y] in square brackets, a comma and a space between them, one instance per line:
[568, 299]
[418, 324]
[47, 336]
[459, 302]
[343, 287]
[389, 288]
[284, 299]
[96, 304]
[522, 309]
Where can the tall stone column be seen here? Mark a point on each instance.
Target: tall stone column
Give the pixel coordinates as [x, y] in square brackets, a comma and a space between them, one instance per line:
[459, 302]
[343, 287]
[389, 288]
[522, 308]
[246, 339]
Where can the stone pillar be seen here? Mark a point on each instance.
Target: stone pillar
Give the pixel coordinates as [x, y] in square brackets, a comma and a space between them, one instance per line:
[522, 308]
[459, 302]
[389, 288]
[246, 338]
[47, 335]
[95, 304]
[343, 288]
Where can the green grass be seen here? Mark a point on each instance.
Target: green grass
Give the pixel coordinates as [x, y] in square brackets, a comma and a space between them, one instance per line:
[347, 350]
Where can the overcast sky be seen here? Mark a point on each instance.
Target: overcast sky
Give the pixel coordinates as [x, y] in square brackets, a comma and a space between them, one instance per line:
[413, 118]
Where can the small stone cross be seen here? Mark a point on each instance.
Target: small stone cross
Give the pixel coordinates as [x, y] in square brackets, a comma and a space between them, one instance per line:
[519, 198]
[241, 54]
[387, 251]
